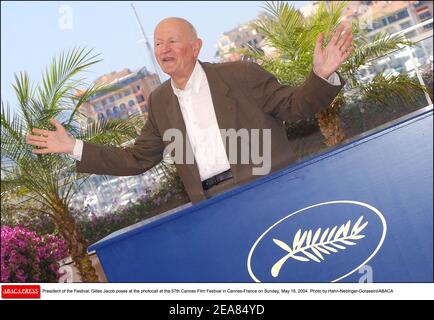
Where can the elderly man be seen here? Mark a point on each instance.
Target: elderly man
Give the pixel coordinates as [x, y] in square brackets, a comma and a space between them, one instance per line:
[200, 100]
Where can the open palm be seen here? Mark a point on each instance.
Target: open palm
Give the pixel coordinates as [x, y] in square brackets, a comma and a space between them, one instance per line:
[327, 60]
[58, 141]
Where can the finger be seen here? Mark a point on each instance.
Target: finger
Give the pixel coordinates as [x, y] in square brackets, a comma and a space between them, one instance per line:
[347, 35]
[38, 143]
[319, 41]
[347, 46]
[347, 53]
[337, 33]
[42, 132]
[41, 151]
[347, 43]
[35, 138]
[56, 123]
[34, 142]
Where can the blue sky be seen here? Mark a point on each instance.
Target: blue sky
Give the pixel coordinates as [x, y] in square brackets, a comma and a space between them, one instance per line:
[31, 32]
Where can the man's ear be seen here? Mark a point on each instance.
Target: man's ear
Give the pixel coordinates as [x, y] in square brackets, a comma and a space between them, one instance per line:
[197, 45]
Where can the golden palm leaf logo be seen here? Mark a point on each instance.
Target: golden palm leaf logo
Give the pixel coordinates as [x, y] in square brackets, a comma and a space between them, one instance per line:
[308, 246]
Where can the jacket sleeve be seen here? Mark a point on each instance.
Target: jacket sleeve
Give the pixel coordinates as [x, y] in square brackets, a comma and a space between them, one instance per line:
[290, 103]
[146, 152]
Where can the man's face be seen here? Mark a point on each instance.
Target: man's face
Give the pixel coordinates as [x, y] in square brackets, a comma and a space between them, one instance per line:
[176, 48]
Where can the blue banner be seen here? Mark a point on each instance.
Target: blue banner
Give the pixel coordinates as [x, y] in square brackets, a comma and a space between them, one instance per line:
[359, 213]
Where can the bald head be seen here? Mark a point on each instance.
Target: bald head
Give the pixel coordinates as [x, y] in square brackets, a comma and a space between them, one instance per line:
[181, 24]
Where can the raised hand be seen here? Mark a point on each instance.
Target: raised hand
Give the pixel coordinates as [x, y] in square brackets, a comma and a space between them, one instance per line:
[327, 60]
[58, 141]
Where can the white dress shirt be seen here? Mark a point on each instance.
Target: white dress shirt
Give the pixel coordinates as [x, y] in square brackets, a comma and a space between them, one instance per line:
[197, 109]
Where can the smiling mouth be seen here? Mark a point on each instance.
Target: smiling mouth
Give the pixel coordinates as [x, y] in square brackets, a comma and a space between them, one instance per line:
[168, 59]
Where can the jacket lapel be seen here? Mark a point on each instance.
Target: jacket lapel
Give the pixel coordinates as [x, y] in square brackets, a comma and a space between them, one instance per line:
[224, 105]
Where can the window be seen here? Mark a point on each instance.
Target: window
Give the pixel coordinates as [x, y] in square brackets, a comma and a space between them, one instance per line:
[111, 99]
[109, 113]
[101, 116]
[428, 26]
[140, 98]
[398, 16]
[379, 23]
[425, 15]
[127, 92]
[138, 87]
[402, 14]
[116, 110]
[405, 25]
[123, 107]
[97, 107]
[131, 103]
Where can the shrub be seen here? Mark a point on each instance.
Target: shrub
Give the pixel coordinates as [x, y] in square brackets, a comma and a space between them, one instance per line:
[27, 257]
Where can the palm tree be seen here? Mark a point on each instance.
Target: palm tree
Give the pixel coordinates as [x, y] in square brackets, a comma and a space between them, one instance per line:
[293, 37]
[50, 180]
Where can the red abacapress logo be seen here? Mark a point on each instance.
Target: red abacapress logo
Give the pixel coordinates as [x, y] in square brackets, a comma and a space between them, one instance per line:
[21, 292]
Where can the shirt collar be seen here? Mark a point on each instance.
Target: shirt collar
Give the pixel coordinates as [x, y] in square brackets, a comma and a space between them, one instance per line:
[193, 83]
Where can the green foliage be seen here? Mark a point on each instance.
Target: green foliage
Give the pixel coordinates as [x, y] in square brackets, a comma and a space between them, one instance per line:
[392, 90]
[44, 184]
[294, 37]
[49, 178]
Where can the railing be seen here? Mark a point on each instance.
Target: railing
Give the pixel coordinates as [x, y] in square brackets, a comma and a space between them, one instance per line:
[407, 59]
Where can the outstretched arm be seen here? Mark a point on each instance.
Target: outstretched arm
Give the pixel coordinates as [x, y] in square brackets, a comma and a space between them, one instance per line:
[146, 152]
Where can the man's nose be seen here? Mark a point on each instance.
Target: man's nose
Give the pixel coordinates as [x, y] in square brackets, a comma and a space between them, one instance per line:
[165, 47]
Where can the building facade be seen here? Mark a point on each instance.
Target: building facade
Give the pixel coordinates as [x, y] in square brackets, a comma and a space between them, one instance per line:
[394, 16]
[129, 98]
[242, 36]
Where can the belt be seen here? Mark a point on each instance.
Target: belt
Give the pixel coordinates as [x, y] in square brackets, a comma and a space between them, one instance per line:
[211, 182]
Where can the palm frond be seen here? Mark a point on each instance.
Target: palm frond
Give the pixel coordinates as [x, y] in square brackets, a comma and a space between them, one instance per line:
[390, 90]
[283, 30]
[113, 132]
[24, 92]
[13, 129]
[58, 79]
[294, 38]
[381, 45]
[10, 184]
